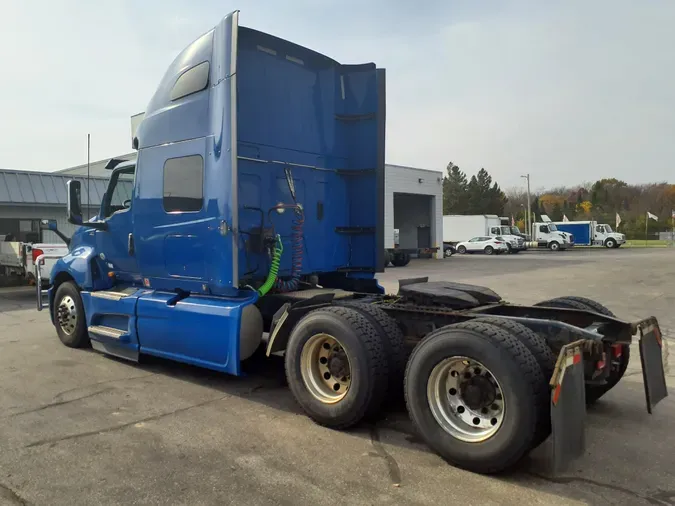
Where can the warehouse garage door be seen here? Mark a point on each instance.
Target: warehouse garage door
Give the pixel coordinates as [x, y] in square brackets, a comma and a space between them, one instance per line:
[413, 217]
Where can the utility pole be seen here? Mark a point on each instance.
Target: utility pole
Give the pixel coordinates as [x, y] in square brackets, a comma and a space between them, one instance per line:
[529, 204]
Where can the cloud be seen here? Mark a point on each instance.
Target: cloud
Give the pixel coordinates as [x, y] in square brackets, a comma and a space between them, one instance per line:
[567, 91]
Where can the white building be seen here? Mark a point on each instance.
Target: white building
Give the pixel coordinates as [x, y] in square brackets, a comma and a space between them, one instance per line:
[413, 204]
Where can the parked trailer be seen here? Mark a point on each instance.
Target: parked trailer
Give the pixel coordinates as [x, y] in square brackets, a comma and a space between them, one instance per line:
[591, 233]
[228, 239]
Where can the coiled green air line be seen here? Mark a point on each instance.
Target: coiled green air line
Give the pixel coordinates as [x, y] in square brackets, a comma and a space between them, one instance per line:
[274, 268]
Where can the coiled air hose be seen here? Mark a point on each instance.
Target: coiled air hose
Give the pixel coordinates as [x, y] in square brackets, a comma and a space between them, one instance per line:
[297, 253]
[274, 268]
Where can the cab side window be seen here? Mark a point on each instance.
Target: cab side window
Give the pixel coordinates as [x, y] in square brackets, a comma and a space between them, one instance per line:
[543, 229]
[184, 184]
[119, 192]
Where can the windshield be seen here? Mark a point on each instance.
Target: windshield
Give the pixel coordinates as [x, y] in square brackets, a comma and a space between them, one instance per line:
[552, 227]
[506, 230]
[608, 229]
[515, 230]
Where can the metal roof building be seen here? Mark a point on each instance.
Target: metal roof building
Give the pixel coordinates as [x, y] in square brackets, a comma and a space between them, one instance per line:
[96, 169]
[27, 197]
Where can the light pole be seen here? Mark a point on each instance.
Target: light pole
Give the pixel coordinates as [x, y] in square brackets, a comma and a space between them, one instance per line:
[529, 203]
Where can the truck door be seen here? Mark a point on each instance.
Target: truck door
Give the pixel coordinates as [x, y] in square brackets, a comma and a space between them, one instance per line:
[177, 217]
[115, 210]
[543, 235]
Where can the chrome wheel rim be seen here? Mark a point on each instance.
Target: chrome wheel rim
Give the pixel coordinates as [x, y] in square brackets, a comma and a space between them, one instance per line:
[325, 368]
[66, 315]
[466, 399]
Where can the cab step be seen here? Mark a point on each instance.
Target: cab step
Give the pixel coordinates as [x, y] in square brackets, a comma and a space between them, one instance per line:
[109, 332]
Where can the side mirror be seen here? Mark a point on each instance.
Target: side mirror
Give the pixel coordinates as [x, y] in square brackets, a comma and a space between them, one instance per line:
[74, 202]
[48, 225]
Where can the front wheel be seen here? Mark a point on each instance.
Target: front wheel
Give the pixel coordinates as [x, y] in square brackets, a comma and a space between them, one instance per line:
[610, 244]
[69, 319]
[554, 246]
[475, 394]
[461, 250]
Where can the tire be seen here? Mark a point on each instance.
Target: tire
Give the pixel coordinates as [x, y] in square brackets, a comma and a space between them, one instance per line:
[369, 370]
[68, 306]
[544, 356]
[447, 252]
[618, 367]
[509, 249]
[511, 364]
[461, 250]
[406, 259]
[554, 246]
[489, 250]
[387, 258]
[610, 244]
[398, 260]
[392, 340]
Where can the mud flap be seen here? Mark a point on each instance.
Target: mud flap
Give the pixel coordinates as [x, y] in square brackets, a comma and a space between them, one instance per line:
[651, 356]
[568, 406]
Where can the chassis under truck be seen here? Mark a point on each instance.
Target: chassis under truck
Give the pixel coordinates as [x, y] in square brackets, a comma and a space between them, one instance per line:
[256, 224]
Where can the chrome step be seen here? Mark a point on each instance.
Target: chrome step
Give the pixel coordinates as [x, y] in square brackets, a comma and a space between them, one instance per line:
[106, 331]
[110, 295]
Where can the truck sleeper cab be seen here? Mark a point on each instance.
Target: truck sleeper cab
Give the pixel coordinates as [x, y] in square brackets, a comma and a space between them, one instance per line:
[252, 220]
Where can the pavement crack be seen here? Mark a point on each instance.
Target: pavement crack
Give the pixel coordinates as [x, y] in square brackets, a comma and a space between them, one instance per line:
[59, 403]
[57, 397]
[106, 430]
[392, 465]
[11, 495]
[566, 480]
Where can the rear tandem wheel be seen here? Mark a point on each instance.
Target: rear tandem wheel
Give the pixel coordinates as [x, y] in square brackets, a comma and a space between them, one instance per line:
[618, 364]
[475, 394]
[392, 340]
[542, 353]
[337, 367]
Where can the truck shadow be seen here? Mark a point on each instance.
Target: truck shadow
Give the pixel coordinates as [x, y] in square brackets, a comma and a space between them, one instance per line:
[264, 382]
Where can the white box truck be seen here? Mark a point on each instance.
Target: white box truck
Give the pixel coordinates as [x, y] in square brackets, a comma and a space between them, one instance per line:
[458, 228]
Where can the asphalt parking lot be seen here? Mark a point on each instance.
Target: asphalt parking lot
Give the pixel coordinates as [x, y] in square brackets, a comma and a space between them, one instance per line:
[80, 428]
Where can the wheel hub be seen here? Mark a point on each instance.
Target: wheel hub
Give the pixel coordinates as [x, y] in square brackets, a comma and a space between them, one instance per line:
[466, 399]
[338, 365]
[325, 368]
[66, 315]
[477, 392]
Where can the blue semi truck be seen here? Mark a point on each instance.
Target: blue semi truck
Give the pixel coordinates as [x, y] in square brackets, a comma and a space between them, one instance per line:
[256, 225]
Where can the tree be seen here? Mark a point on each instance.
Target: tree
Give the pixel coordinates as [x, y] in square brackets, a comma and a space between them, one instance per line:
[455, 191]
[585, 207]
[556, 213]
[485, 197]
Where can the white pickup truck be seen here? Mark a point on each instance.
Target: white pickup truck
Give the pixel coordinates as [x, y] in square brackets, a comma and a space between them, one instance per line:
[17, 259]
[32, 251]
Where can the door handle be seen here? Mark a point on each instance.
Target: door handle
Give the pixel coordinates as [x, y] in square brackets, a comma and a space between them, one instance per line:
[130, 244]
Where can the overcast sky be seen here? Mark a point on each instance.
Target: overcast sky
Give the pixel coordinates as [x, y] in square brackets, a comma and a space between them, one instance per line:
[568, 91]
